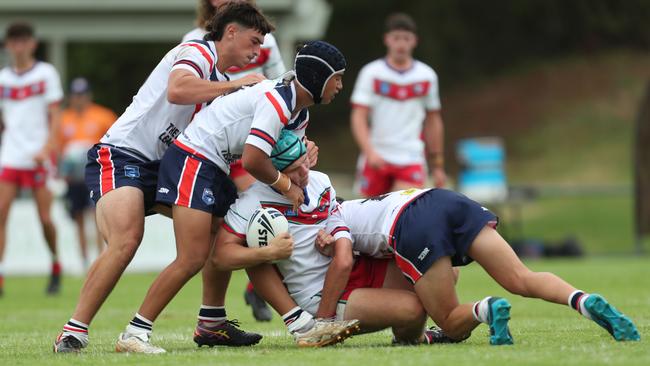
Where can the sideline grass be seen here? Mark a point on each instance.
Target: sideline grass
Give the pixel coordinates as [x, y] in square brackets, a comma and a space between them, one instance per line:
[545, 334]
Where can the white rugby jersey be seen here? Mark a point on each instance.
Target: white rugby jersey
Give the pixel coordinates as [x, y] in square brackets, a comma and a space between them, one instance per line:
[151, 123]
[398, 102]
[268, 62]
[252, 115]
[24, 100]
[371, 221]
[304, 272]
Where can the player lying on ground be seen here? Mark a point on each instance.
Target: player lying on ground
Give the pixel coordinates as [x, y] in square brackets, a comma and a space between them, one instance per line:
[308, 275]
[122, 170]
[430, 231]
[194, 182]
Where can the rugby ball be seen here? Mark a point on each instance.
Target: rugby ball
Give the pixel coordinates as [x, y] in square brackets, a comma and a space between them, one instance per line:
[264, 225]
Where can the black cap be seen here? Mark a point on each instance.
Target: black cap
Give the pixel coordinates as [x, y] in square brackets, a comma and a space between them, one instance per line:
[316, 62]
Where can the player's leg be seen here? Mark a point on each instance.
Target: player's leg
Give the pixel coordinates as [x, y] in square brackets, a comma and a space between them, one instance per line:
[261, 311]
[377, 309]
[192, 233]
[43, 198]
[8, 192]
[494, 254]
[307, 331]
[120, 218]
[436, 290]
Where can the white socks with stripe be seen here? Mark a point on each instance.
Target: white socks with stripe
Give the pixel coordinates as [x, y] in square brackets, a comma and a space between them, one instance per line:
[480, 310]
[139, 325]
[76, 329]
[298, 320]
[577, 301]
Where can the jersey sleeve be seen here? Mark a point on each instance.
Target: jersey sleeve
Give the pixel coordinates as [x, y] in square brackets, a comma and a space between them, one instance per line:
[196, 58]
[432, 102]
[236, 220]
[270, 117]
[274, 67]
[53, 90]
[335, 224]
[362, 94]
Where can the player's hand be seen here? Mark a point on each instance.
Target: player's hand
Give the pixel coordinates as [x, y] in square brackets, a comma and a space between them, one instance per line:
[324, 243]
[295, 195]
[439, 177]
[281, 247]
[312, 153]
[41, 157]
[374, 160]
[250, 79]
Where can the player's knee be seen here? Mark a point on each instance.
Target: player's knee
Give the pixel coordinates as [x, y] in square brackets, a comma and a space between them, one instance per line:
[412, 310]
[191, 266]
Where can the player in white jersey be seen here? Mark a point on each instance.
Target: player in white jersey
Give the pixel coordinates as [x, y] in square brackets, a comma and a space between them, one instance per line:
[396, 105]
[124, 166]
[193, 177]
[307, 275]
[269, 63]
[30, 92]
[429, 231]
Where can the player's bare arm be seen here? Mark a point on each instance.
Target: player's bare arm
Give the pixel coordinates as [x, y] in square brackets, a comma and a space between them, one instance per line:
[434, 142]
[52, 145]
[185, 88]
[259, 165]
[361, 133]
[230, 252]
[336, 278]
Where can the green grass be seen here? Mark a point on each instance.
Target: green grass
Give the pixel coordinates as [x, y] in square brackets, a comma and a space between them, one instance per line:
[602, 224]
[545, 334]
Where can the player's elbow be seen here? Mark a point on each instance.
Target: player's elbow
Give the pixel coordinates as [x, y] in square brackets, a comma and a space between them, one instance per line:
[175, 95]
[344, 264]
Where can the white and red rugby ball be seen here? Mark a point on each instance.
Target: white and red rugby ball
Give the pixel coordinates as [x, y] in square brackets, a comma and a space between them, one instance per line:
[264, 225]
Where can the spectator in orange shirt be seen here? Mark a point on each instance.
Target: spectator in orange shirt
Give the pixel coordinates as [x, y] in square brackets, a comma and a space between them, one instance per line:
[83, 124]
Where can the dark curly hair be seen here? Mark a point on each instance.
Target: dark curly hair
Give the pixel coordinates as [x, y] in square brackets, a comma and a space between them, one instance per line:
[243, 13]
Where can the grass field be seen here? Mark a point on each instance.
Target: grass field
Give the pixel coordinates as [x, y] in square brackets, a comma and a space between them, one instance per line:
[544, 333]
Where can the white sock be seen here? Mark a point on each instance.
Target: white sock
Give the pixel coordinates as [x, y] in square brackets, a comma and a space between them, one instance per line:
[577, 301]
[480, 310]
[139, 325]
[298, 320]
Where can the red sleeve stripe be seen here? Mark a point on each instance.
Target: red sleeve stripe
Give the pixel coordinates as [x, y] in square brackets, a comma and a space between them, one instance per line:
[191, 64]
[203, 52]
[278, 108]
[263, 135]
[232, 231]
[338, 229]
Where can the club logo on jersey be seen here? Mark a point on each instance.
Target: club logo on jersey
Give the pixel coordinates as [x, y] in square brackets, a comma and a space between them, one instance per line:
[169, 135]
[317, 215]
[132, 171]
[208, 197]
[399, 91]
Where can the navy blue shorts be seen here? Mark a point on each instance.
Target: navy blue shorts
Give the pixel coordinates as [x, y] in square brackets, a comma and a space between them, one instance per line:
[439, 223]
[188, 179]
[111, 167]
[77, 198]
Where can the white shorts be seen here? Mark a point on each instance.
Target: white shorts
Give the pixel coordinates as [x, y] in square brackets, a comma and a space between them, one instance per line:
[312, 306]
